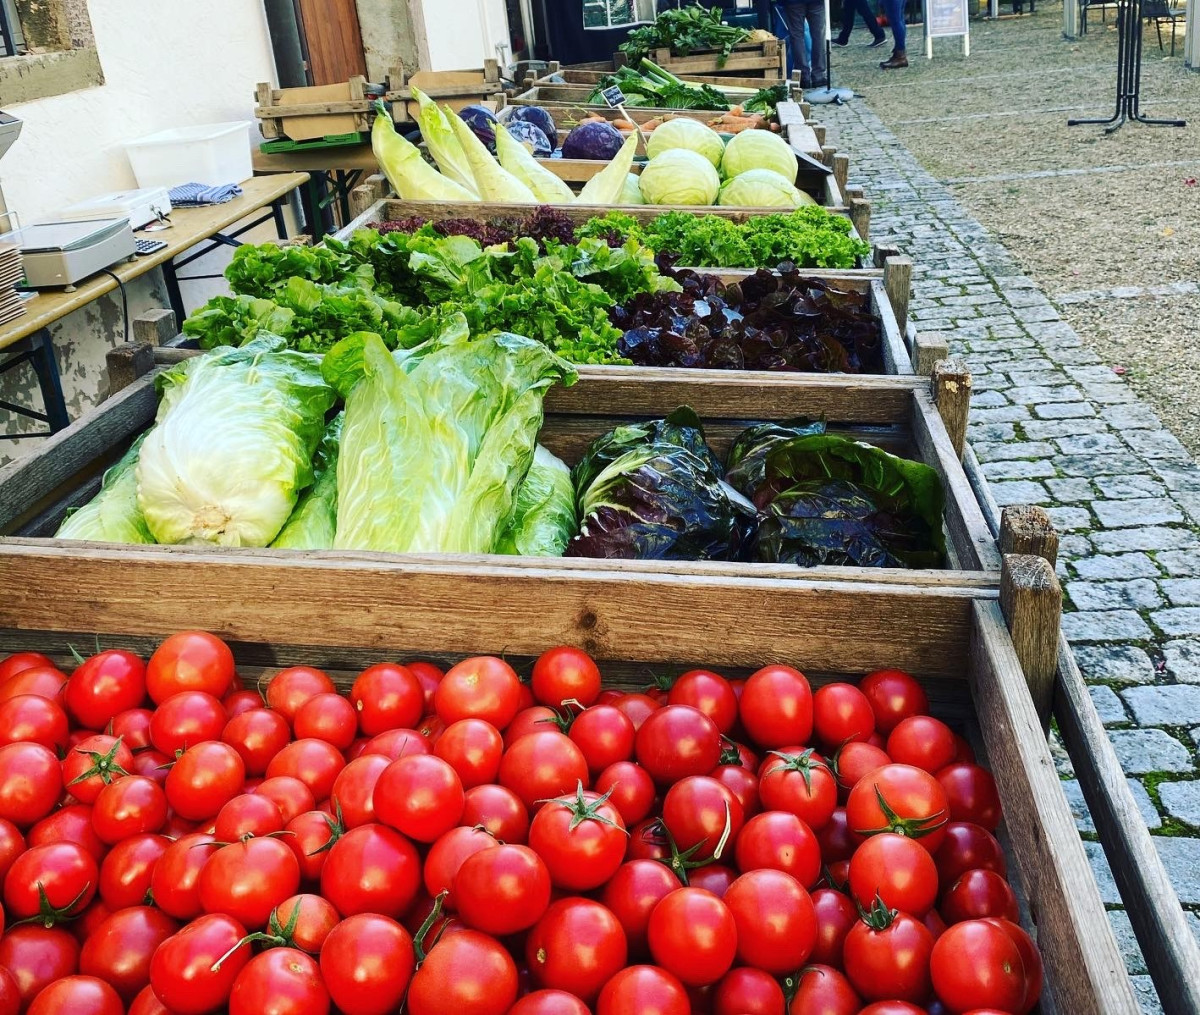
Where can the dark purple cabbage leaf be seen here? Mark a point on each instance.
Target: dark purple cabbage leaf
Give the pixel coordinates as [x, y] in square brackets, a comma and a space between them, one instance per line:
[768, 321]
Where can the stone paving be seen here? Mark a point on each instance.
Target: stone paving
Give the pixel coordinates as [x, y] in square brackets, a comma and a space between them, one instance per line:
[1053, 425]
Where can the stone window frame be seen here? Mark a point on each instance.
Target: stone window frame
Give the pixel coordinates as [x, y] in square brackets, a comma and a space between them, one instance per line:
[61, 54]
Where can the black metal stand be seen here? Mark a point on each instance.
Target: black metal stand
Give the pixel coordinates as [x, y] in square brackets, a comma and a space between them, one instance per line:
[1129, 73]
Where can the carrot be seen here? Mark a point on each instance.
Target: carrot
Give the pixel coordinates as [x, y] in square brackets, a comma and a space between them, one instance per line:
[625, 125]
[737, 111]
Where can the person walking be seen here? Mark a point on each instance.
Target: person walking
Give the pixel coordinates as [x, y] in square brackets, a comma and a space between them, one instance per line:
[894, 9]
[797, 14]
[860, 7]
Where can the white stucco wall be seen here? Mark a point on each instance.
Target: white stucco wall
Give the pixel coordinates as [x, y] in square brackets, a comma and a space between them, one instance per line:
[166, 63]
[455, 32]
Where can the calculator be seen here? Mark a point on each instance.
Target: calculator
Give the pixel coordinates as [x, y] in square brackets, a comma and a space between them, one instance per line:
[148, 246]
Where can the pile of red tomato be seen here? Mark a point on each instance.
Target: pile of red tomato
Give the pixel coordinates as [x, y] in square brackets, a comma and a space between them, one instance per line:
[467, 843]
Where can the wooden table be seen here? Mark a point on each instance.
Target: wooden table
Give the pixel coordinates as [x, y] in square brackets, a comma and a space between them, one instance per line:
[333, 173]
[27, 338]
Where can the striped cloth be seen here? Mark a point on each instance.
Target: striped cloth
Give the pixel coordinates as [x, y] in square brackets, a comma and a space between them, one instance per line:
[191, 195]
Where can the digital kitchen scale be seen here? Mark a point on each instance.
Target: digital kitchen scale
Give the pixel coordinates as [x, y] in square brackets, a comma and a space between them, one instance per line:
[59, 254]
[141, 207]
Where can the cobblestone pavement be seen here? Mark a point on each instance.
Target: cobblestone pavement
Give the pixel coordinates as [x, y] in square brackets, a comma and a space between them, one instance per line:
[1053, 425]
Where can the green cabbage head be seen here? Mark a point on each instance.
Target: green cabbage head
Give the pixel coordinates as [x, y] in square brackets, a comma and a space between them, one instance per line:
[759, 149]
[543, 521]
[113, 515]
[679, 176]
[684, 132]
[761, 188]
[313, 523]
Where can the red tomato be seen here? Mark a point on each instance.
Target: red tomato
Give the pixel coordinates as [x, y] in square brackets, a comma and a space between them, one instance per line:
[777, 707]
[976, 964]
[304, 922]
[46, 681]
[897, 870]
[282, 981]
[203, 779]
[979, 894]
[372, 869]
[353, 791]
[693, 935]
[835, 915]
[497, 809]
[189, 661]
[855, 760]
[152, 764]
[502, 889]
[314, 762]
[420, 795]
[894, 695]
[800, 783]
[777, 840]
[887, 958]
[967, 847]
[448, 854]
[174, 881]
[12, 843]
[237, 702]
[246, 880]
[743, 784]
[746, 991]
[633, 892]
[701, 813]
[630, 790]
[184, 719]
[31, 781]
[923, 742]
[971, 794]
[776, 924]
[535, 719]
[129, 806]
[549, 1002]
[605, 735]
[581, 838]
[892, 1008]
[823, 990]
[52, 883]
[708, 692]
[132, 727]
[1031, 959]
[397, 744]
[291, 688]
[37, 956]
[289, 794]
[713, 877]
[107, 683]
[30, 718]
[257, 736]
[367, 962]
[387, 696]
[69, 824]
[467, 973]
[841, 714]
[127, 869]
[11, 665]
[473, 749]
[10, 996]
[482, 687]
[329, 717]
[147, 1003]
[310, 838]
[428, 676]
[637, 707]
[901, 799]
[246, 815]
[120, 949]
[678, 741]
[578, 946]
[182, 971]
[963, 751]
[643, 990]
[79, 995]
[541, 766]
[565, 674]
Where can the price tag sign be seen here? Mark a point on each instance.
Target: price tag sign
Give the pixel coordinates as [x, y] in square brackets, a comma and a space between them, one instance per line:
[614, 96]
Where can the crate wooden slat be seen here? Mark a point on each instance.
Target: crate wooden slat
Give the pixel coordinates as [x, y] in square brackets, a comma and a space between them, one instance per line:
[585, 74]
[766, 59]
[455, 89]
[339, 615]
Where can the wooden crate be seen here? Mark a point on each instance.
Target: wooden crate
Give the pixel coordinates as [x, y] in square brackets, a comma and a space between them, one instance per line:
[593, 74]
[766, 60]
[897, 413]
[304, 114]
[290, 608]
[456, 89]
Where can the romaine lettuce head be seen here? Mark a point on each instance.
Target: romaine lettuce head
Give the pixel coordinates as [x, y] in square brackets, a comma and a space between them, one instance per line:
[113, 515]
[543, 521]
[313, 522]
[680, 176]
[436, 441]
[654, 491]
[233, 445]
[759, 149]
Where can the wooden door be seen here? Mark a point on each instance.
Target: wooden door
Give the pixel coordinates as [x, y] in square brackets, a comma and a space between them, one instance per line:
[335, 48]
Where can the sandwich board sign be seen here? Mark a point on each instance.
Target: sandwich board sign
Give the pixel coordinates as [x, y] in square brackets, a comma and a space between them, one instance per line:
[945, 18]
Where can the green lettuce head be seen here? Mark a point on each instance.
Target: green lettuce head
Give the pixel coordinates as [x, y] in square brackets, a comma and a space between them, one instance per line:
[544, 519]
[313, 523]
[113, 515]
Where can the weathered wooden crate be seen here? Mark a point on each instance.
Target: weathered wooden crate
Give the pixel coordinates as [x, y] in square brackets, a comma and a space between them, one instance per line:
[766, 60]
[593, 74]
[575, 97]
[455, 88]
[347, 611]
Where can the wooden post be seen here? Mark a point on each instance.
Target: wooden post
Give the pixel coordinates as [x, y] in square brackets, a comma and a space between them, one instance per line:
[929, 348]
[367, 193]
[1070, 19]
[860, 215]
[952, 395]
[819, 130]
[806, 109]
[1191, 36]
[1031, 600]
[155, 327]
[264, 98]
[841, 171]
[897, 280]
[828, 151]
[1027, 529]
[126, 363]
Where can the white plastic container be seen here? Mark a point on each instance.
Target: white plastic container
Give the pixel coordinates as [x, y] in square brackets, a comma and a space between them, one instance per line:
[209, 153]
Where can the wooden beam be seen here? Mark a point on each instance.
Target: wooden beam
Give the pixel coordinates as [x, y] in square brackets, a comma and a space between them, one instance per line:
[897, 280]
[155, 327]
[126, 363]
[929, 348]
[952, 394]
[1027, 529]
[841, 170]
[1031, 600]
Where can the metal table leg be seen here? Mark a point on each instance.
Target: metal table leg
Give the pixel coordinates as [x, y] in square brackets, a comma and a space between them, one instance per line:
[174, 296]
[277, 214]
[46, 367]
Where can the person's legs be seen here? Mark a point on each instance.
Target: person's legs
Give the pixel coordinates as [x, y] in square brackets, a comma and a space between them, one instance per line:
[849, 9]
[794, 13]
[815, 14]
[872, 22]
[895, 16]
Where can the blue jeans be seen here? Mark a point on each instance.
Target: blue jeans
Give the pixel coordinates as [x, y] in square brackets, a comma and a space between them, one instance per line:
[894, 9]
[807, 17]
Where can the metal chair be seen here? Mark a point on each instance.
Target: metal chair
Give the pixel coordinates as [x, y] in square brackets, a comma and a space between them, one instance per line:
[1084, 5]
[1159, 11]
